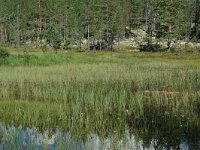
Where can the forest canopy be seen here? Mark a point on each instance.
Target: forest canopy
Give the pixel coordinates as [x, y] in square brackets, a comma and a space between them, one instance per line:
[61, 22]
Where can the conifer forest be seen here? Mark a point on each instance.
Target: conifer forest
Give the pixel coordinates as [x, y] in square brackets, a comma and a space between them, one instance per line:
[66, 21]
[99, 74]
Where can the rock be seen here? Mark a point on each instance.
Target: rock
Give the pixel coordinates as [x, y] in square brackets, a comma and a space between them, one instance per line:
[129, 44]
[153, 39]
[190, 45]
[28, 43]
[163, 44]
[182, 43]
[85, 41]
[197, 45]
[134, 50]
[139, 33]
[38, 44]
[74, 46]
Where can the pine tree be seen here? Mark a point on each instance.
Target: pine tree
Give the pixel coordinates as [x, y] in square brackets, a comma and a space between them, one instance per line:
[95, 20]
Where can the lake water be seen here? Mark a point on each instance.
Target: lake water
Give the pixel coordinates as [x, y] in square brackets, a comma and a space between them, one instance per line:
[24, 139]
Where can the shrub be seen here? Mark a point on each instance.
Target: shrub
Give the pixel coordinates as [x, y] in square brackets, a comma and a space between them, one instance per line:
[66, 45]
[149, 47]
[53, 37]
[4, 53]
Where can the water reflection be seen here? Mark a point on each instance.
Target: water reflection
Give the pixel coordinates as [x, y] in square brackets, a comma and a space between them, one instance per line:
[167, 129]
[18, 138]
[156, 126]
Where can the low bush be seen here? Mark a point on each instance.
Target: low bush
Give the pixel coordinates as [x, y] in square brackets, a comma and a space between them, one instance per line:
[149, 47]
[4, 53]
[43, 60]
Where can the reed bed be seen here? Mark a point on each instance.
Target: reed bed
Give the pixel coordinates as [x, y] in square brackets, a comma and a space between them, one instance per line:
[102, 98]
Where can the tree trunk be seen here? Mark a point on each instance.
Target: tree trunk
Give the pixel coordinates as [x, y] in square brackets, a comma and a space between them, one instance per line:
[18, 28]
[88, 36]
[170, 9]
[170, 28]
[80, 42]
[197, 17]
[100, 45]
[1, 30]
[5, 35]
[146, 14]
[39, 21]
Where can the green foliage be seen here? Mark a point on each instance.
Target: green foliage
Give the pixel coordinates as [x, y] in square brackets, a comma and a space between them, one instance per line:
[66, 45]
[53, 37]
[194, 39]
[43, 60]
[4, 53]
[150, 48]
[56, 21]
[77, 96]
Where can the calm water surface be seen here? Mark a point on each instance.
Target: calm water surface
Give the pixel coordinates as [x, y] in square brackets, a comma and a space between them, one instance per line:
[24, 139]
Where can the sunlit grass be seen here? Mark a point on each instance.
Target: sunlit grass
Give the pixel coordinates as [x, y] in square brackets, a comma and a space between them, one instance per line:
[101, 92]
[24, 56]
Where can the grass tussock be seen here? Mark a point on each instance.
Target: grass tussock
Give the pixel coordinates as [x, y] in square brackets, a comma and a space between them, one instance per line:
[153, 95]
[101, 97]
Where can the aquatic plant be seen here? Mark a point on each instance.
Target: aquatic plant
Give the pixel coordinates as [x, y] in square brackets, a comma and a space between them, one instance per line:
[103, 98]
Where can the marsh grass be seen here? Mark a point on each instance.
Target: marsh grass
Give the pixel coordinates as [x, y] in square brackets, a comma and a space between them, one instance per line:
[102, 97]
[35, 57]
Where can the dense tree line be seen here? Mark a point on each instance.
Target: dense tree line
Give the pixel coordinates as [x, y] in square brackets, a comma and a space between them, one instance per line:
[68, 21]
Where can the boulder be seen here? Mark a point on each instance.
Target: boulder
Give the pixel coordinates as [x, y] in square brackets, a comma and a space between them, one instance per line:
[197, 45]
[190, 45]
[139, 33]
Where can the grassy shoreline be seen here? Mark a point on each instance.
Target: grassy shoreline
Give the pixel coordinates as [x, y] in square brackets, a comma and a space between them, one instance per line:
[19, 57]
[97, 92]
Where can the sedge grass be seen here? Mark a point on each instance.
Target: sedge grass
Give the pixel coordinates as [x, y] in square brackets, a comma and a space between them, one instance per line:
[102, 97]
